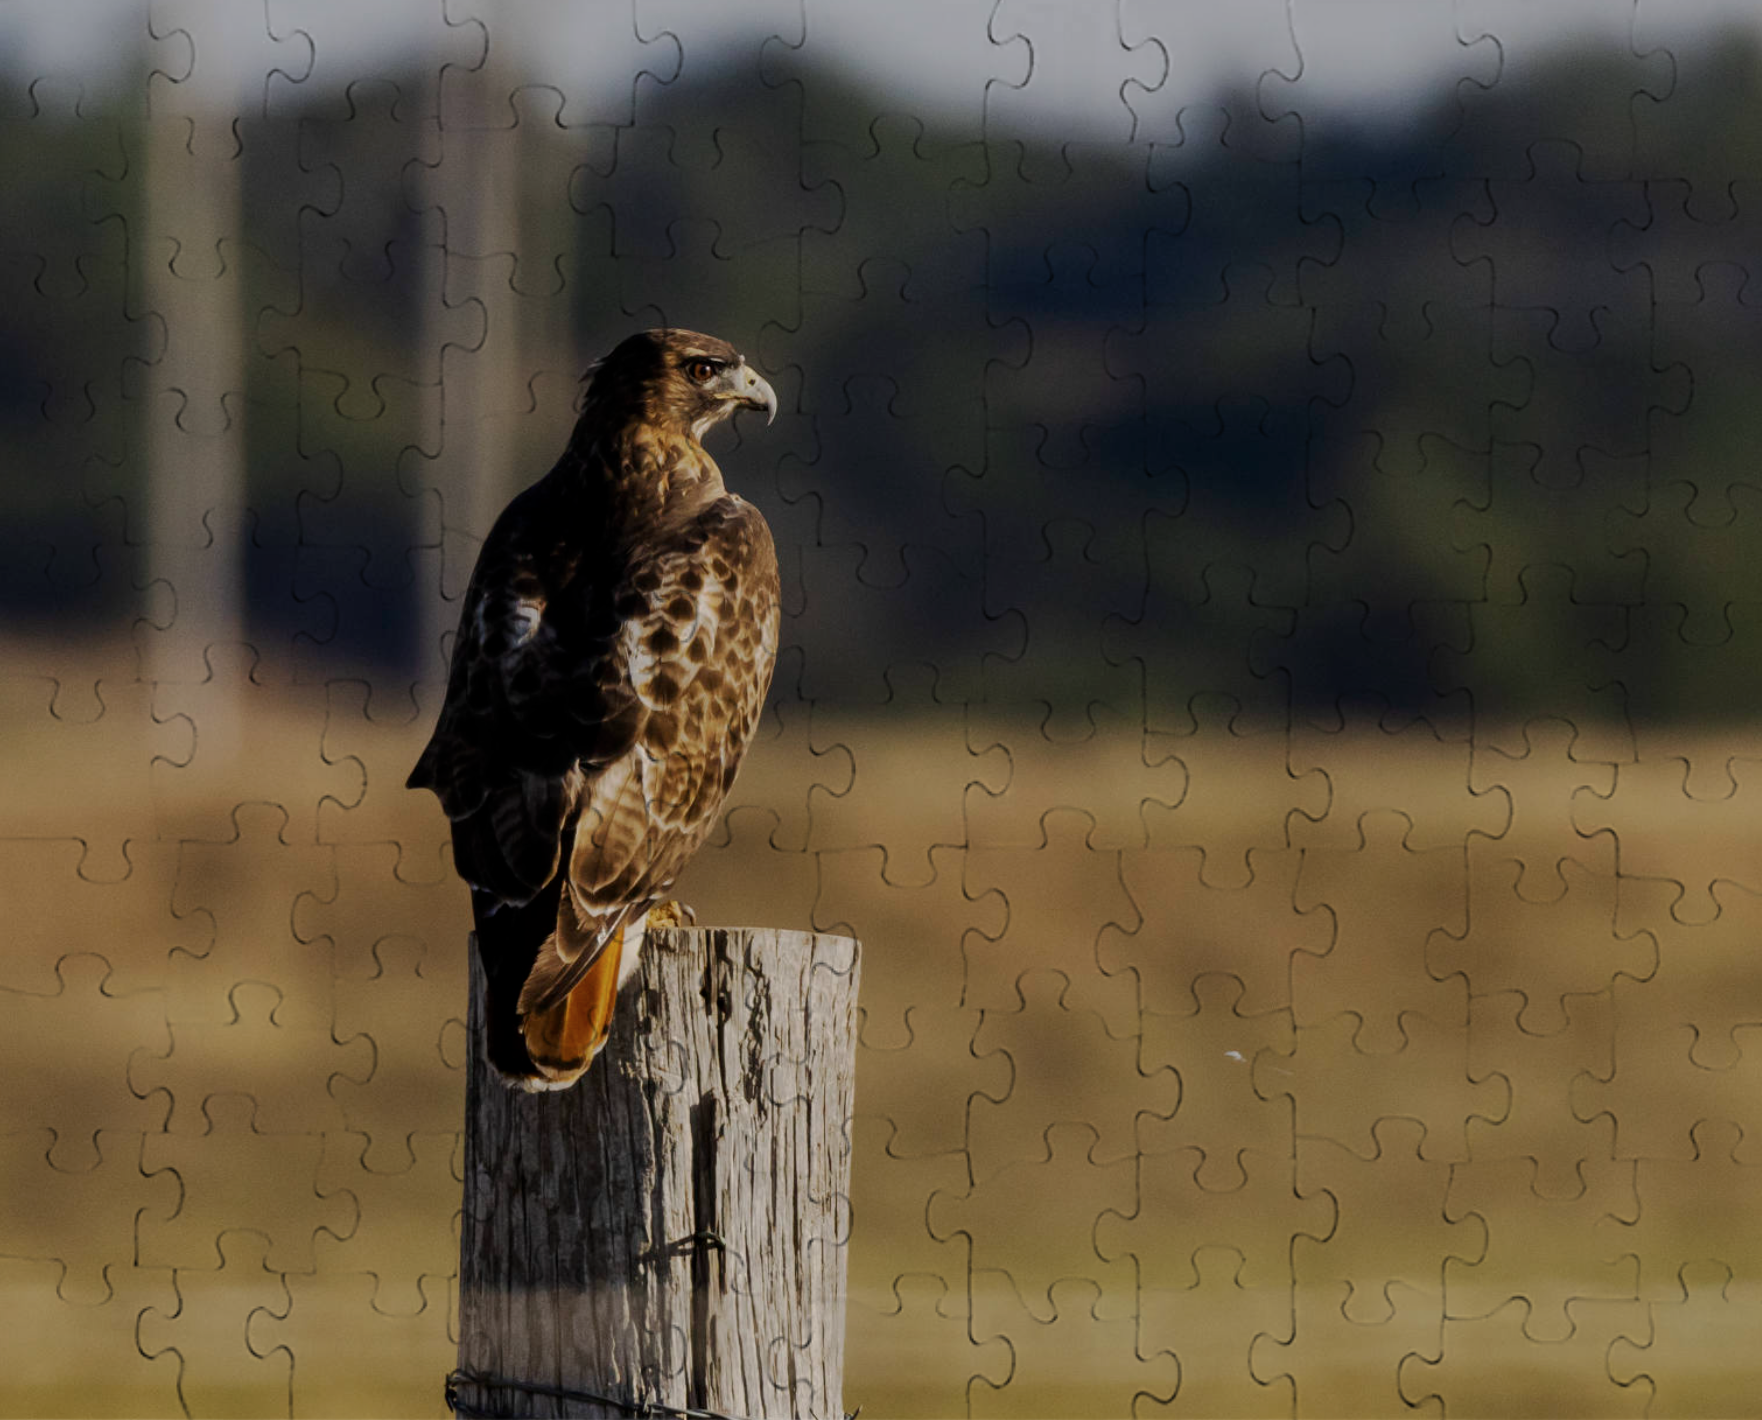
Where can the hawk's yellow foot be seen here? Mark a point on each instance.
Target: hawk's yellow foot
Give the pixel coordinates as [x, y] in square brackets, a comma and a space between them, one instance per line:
[671, 913]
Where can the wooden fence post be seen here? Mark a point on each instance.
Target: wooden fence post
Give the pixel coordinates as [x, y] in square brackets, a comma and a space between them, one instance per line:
[669, 1235]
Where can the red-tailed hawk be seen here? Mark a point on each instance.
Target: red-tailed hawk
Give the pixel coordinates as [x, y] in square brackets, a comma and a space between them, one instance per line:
[614, 651]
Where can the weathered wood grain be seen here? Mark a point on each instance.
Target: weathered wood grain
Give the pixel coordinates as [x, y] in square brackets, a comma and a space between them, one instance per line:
[672, 1230]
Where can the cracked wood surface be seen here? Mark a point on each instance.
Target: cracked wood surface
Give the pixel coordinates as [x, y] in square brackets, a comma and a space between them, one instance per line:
[672, 1230]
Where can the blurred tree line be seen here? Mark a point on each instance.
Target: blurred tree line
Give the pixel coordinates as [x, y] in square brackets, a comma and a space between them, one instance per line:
[1422, 405]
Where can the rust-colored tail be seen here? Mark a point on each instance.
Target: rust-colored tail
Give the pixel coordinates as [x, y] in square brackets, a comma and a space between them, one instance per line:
[563, 1039]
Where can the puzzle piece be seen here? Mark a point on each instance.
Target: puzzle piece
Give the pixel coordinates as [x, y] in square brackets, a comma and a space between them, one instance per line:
[1709, 528]
[114, 745]
[919, 1332]
[1655, 1056]
[39, 1032]
[809, 58]
[1175, 1215]
[880, 175]
[1339, 649]
[1048, 1043]
[882, 803]
[246, 886]
[1405, 485]
[1230, 1317]
[1540, 1069]
[330, 1319]
[1700, 94]
[1059, 638]
[1665, 829]
[866, 417]
[1187, 929]
[1528, 513]
[1054, 1205]
[1711, 1324]
[406, 1224]
[1686, 448]
[889, 1198]
[1340, 1090]
[1527, 63]
[1068, 52]
[1050, 433]
[1368, 761]
[1081, 1361]
[382, 893]
[1661, 710]
[1491, 1363]
[1062, 896]
[1545, 1252]
[234, 1176]
[1218, 157]
[237, 718]
[1547, 612]
[33, 1345]
[368, 737]
[749, 177]
[1700, 979]
[1548, 779]
[1225, 517]
[1532, 277]
[1588, 953]
[204, 1333]
[283, 1070]
[1178, 644]
[1327, 57]
[1379, 936]
[1663, 1241]
[1211, 1050]
[1358, 1364]
[57, 889]
[1392, 1228]
[1241, 793]
[910, 1082]
[86, 1221]
[1105, 771]
[738, 874]
[855, 899]
[1376, 224]
[406, 1012]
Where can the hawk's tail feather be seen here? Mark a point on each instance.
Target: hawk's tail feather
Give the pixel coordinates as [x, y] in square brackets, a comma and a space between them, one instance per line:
[549, 1045]
[564, 1039]
[509, 937]
[554, 975]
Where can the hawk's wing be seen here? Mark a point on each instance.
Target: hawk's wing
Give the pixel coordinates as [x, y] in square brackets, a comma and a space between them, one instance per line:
[612, 704]
[533, 691]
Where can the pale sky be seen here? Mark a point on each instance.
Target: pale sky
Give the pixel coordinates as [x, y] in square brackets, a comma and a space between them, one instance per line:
[931, 53]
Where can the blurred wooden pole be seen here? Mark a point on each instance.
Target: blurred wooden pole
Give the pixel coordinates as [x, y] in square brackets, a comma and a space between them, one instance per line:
[195, 524]
[671, 1231]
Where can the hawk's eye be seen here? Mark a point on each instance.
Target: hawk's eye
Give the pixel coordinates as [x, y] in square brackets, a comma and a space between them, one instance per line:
[701, 371]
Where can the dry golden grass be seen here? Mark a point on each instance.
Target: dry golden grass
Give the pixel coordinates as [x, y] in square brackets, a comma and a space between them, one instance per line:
[1216, 1075]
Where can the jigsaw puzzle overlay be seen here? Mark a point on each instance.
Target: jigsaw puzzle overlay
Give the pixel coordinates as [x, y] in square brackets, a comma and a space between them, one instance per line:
[1269, 672]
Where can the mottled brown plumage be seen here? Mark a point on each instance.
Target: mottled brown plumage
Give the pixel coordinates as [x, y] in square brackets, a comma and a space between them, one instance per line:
[615, 647]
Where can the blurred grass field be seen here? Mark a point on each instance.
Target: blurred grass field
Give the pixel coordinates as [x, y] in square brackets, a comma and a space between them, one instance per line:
[1247, 1064]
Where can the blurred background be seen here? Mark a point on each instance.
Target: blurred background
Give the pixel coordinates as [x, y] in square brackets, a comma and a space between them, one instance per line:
[1268, 526]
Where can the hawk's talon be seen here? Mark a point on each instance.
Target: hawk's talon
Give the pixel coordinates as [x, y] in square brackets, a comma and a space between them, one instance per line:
[671, 913]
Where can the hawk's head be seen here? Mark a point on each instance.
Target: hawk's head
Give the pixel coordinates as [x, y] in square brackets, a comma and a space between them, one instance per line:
[680, 380]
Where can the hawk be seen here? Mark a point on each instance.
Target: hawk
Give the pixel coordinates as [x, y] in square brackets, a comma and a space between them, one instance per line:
[615, 647]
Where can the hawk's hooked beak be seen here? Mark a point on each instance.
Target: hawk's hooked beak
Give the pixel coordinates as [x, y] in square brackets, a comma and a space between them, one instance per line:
[753, 390]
